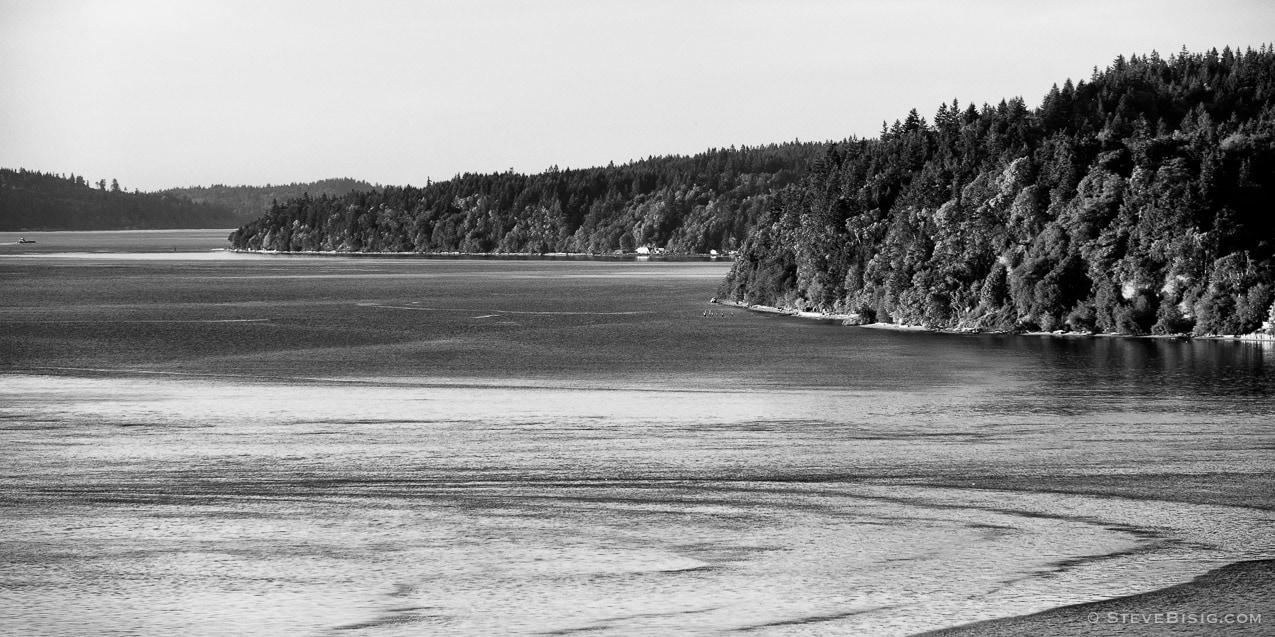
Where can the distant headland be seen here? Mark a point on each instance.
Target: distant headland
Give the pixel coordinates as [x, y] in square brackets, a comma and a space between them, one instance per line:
[1136, 202]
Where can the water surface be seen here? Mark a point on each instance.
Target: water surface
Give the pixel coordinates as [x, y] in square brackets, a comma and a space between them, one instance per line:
[231, 444]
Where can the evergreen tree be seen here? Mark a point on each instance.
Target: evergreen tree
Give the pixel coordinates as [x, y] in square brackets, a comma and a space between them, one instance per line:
[1136, 202]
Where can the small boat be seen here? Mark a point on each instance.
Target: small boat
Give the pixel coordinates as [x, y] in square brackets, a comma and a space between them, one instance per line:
[26, 240]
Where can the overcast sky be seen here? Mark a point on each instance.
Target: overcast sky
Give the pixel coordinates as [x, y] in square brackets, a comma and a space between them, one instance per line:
[171, 93]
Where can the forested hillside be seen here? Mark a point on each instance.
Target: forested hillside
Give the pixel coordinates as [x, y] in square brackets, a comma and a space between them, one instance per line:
[32, 200]
[249, 202]
[1141, 201]
[679, 204]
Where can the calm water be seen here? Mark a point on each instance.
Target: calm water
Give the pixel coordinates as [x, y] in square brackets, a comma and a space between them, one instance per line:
[205, 443]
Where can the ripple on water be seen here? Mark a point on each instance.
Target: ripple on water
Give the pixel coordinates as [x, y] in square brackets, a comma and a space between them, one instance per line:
[200, 507]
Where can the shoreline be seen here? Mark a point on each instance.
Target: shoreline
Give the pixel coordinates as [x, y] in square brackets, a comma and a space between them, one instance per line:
[854, 320]
[1233, 599]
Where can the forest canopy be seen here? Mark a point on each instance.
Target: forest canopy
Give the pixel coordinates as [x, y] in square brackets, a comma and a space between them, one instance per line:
[250, 202]
[1136, 202]
[31, 200]
[677, 204]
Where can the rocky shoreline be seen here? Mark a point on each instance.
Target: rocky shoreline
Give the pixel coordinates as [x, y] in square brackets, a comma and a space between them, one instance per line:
[855, 320]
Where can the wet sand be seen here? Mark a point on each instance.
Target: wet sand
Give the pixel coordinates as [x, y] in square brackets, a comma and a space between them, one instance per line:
[1198, 607]
[1238, 599]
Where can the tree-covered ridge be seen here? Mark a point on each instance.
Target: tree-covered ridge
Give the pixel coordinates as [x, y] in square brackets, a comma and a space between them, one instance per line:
[253, 201]
[680, 204]
[1138, 202]
[31, 200]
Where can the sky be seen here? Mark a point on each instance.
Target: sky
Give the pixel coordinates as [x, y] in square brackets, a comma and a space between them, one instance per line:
[170, 93]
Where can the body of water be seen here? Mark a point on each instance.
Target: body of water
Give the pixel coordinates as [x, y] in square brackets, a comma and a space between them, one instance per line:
[208, 443]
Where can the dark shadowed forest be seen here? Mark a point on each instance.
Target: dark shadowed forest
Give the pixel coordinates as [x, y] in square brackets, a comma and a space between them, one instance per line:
[31, 200]
[250, 202]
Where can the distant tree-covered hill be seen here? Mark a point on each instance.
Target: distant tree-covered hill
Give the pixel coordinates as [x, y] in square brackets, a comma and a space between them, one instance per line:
[32, 200]
[676, 203]
[1141, 201]
[253, 201]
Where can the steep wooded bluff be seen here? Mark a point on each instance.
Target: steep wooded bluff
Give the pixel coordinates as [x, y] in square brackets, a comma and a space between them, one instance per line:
[1141, 201]
[31, 200]
[680, 204]
[249, 202]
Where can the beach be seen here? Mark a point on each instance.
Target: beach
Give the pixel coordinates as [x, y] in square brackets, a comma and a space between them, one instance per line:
[1233, 600]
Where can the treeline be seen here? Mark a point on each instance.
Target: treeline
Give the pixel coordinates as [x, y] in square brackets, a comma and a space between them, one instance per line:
[31, 200]
[253, 201]
[675, 203]
[1138, 202]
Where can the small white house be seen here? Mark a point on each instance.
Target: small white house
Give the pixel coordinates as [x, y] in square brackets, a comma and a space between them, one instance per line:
[643, 250]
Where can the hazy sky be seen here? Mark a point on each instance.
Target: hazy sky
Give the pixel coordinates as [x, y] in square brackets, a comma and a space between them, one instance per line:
[170, 92]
